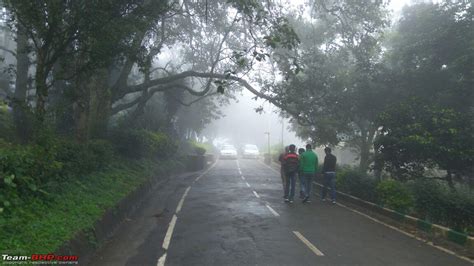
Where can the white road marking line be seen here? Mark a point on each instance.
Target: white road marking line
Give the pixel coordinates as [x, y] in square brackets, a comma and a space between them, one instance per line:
[308, 244]
[161, 261]
[180, 204]
[243, 177]
[396, 229]
[240, 172]
[201, 175]
[248, 185]
[272, 210]
[169, 233]
[256, 195]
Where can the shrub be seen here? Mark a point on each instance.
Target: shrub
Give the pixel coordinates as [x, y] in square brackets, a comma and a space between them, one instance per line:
[6, 122]
[25, 171]
[200, 150]
[356, 183]
[102, 152]
[143, 143]
[207, 146]
[438, 204]
[80, 159]
[394, 195]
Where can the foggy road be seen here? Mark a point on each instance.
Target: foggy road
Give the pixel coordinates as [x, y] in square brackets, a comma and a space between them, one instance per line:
[234, 214]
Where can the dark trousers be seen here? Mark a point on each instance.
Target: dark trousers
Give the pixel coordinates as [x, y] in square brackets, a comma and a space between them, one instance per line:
[329, 181]
[290, 185]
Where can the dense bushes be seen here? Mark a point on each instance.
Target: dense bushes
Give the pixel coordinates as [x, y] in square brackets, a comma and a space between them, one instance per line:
[356, 183]
[79, 158]
[142, 143]
[394, 195]
[35, 170]
[424, 198]
[437, 203]
[39, 226]
[54, 187]
[6, 123]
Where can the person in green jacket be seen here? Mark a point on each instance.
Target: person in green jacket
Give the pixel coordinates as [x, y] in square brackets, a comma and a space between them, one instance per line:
[300, 175]
[309, 164]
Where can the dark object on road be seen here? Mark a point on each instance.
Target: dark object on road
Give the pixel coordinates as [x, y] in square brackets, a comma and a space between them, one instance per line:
[162, 213]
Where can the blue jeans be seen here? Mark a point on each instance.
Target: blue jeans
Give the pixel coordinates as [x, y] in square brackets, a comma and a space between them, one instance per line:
[290, 185]
[301, 178]
[308, 183]
[329, 181]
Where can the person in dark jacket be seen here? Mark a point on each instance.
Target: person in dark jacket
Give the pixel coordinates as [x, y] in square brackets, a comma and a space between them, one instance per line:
[282, 171]
[291, 167]
[329, 172]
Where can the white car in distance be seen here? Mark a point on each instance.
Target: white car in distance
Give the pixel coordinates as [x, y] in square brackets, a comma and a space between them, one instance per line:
[228, 152]
[250, 151]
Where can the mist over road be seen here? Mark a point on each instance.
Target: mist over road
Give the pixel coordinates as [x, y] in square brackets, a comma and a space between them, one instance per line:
[234, 214]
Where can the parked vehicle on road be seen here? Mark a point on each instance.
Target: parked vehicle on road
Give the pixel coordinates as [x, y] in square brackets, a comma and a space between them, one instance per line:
[250, 151]
[228, 152]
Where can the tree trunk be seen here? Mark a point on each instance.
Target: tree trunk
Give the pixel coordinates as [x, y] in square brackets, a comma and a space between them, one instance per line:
[100, 105]
[81, 109]
[367, 137]
[41, 87]
[20, 106]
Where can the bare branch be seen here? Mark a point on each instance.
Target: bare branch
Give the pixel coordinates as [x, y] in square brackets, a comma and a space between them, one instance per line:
[196, 100]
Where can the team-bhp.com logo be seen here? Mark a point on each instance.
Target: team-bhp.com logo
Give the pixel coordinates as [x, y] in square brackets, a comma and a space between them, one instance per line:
[40, 259]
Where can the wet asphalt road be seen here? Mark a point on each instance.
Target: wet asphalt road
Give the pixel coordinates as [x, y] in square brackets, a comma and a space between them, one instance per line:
[235, 215]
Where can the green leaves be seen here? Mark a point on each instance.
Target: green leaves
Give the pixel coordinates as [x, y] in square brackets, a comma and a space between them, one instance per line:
[415, 135]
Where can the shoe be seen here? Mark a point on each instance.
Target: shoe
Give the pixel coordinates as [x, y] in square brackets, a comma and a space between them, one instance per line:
[333, 202]
[305, 199]
[290, 201]
[323, 199]
[287, 200]
[308, 201]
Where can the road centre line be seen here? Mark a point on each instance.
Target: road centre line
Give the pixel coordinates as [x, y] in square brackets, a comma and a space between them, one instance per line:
[256, 195]
[308, 244]
[272, 210]
[429, 243]
[243, 177]
[248, 185]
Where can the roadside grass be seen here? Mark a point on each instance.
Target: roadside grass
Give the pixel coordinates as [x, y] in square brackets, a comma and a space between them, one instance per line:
[42, 226]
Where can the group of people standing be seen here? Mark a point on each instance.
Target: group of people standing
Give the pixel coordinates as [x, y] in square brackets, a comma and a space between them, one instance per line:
[304, 165]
